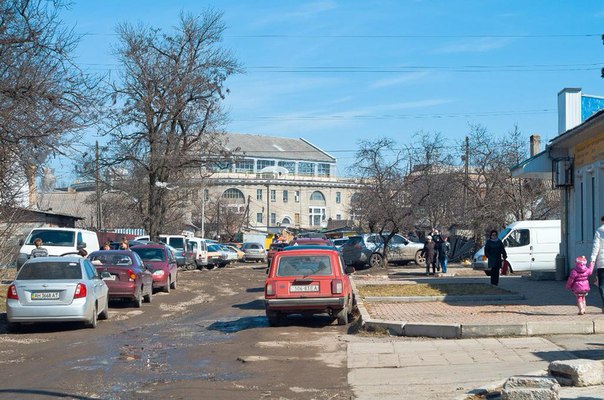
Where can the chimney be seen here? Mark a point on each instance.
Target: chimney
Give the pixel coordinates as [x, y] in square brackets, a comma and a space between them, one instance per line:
[535, 146]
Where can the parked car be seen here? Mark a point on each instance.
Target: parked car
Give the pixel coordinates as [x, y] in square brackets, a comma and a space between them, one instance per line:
[231, 255]
[52, 289]
[182, 253]
[217, 256]
[338, 243]
[160, 260]
[274, 248]
[308, 281]
[128, 277]
[368, 249]
[253, 252]
[311, 241]
[199, 248]
[237, 250]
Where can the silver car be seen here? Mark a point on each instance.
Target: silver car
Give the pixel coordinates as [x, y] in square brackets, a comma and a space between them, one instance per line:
[368, 249]
[253, 252]
[57, 289]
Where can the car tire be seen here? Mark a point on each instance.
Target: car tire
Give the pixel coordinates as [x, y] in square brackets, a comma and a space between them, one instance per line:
[105, 314]
[273, 318]
[166, 289]
[93, 320]
[342, 316]
[138, 300]
[375, 260]
[173, 284]
[149, 296]
[419, 259]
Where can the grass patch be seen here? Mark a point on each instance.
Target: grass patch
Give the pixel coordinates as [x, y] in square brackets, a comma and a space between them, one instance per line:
[429, 289]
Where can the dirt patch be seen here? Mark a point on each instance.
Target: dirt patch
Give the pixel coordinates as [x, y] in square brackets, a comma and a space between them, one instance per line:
[430, 289]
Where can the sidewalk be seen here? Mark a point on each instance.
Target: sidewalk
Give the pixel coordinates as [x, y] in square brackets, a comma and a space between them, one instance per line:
[535, 308]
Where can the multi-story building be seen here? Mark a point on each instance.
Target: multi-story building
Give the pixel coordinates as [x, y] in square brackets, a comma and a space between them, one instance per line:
[280, 182]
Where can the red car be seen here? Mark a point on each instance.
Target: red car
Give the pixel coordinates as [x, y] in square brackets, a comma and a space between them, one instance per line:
[127, 277]
[162, 262]
[308, 281]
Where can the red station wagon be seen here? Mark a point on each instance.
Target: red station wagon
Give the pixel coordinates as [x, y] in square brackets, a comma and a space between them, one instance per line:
[308, 281]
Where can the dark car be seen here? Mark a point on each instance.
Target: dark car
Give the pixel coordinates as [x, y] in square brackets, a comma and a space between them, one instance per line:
[160, 260]
[275, 247]
[368, 249]
[127, 277]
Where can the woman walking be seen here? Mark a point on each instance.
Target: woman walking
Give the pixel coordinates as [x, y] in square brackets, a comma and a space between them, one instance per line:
[494, 250]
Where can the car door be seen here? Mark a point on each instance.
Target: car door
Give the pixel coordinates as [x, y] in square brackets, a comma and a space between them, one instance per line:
[396, 248]
[146, 275]
[519, 250]
[99, 287]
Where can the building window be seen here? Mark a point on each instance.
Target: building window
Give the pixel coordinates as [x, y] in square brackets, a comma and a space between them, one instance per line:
[323, 169]
[273, 195]
[233, 194]
[258, 194]
[259, 217]
[306, 168]
[338, 197]
[317, 196]
[316, 215]
[289, 165]
[285, 196]
[264, 163]
[286, 221]
[338, 217]
[297, 196]
[244, 166]
[219, 166]
[297, 218]
[273, 218]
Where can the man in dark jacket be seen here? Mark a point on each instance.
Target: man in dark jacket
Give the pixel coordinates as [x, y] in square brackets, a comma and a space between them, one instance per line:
[494, 250]
[429, 252]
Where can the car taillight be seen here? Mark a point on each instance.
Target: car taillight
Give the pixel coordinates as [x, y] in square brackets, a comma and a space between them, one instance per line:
[484, 258]
[270, 289]
[336, 286]
[131, 275]
[184, 254]
[80, 291]
[12, 292]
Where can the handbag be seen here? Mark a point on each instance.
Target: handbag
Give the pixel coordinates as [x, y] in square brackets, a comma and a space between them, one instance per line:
[506, 268]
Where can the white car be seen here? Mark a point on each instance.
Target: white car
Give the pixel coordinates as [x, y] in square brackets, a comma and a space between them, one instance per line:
[57, 289]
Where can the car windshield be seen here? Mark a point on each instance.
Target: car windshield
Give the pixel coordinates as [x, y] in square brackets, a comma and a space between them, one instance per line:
[150, 254]
[50, 271]
[214, 247]
[177, 242]
[304, 266]
[110, 259]
[52, 237]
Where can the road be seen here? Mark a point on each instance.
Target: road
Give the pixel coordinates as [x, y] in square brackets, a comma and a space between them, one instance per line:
[207, 339]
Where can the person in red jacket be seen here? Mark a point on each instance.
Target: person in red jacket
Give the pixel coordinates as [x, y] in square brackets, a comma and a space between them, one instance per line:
[578, 281]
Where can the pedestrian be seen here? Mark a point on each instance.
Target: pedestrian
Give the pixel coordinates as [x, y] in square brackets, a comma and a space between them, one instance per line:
[444, 247]
[494, 250]
[578, 281]
[106, 246]
[429, 252]
[597, 258]
[38, 250]
[124, 244]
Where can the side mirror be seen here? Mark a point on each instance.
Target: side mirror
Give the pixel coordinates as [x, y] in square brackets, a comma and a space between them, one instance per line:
[81, 245]
[349, 270]
[506, 243]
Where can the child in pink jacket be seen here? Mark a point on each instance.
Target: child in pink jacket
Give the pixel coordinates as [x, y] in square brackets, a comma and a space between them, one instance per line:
[578, 281]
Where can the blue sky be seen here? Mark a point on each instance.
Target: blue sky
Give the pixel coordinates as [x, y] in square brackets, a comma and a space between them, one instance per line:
[335, 72]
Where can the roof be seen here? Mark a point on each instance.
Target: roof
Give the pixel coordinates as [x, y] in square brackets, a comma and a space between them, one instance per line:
[276, 147]
[68, 203]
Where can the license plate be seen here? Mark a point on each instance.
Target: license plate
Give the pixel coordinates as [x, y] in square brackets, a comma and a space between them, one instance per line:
[45, 296]
[304, 288]
[109, 278]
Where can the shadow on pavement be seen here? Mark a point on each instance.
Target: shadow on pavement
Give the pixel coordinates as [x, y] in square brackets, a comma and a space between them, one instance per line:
[46, 393]
[252, 305]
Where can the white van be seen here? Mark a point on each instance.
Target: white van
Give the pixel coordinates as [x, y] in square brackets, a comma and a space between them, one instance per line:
[183, 254]
[199, 246]
[58, 241]
[530, 246]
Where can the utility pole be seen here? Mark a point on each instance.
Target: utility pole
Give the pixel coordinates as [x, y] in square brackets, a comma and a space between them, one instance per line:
[268, 204]
[203, 212]
[99, 216]
[466, 170]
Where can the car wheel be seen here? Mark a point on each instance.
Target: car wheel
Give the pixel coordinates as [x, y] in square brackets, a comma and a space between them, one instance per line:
[149, 295]
[273, 318]
[105, 314]
[92, 322]
[138, 300]
[419, 259]
[375, 260]
[166, 289]
[173, 284]
[342, 316]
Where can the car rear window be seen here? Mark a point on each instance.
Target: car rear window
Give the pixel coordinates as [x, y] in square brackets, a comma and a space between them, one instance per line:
[111, 259]
[177, 243]
[304, 266]
[50, 271]
[353, 241]
[52, 237]
[150, 254]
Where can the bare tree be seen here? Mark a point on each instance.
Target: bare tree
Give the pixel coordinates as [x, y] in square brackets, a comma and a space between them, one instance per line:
[45, 100]
[167, 117]
[224, 217]
[382, 202]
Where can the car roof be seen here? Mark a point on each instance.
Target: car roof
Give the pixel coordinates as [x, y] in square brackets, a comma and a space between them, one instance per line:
[151, 245]
[309, 247]
[55, 259]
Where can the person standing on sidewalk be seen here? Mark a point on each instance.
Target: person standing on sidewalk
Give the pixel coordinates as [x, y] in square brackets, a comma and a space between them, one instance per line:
[429, 252]
[597, 258]
[578, 281]
[494, 250]
[444, 247]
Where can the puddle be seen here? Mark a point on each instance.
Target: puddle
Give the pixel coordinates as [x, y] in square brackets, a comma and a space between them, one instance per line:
[239, 324]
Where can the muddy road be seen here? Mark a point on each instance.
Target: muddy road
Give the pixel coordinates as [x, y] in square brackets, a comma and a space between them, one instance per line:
[208, 339]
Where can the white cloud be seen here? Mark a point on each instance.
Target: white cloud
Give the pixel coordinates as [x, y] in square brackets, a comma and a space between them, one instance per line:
[475, 45]
[410, 77]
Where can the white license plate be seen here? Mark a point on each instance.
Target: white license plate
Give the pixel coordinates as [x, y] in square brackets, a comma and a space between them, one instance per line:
[45, 296]
[304, 288]
[109, 278]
